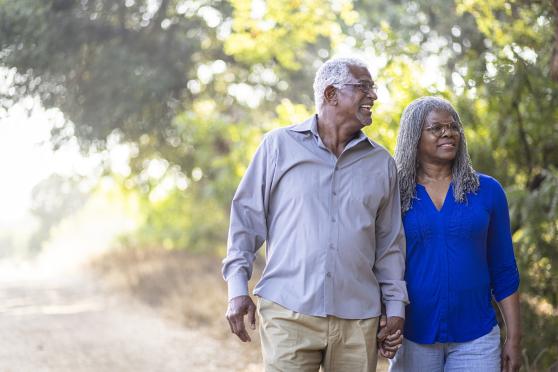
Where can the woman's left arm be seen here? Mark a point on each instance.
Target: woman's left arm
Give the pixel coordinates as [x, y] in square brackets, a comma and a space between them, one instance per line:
[511, 352]
[504, 276]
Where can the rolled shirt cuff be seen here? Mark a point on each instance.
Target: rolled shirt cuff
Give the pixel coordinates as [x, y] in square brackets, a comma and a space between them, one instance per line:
[395, 308]
[237, 285]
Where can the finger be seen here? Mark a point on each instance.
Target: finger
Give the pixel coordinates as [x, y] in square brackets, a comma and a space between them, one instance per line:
[231, 319]
[394, 336]
[505, 364]
[393, 339]
[393, 343]
[383, 352]
[228, 316]
[252, 316]
[244, 336]
[388, 354]
[392, 348]
[239, 325]
[240, 330]
[382, 334]
[383, 321]
[230, 324]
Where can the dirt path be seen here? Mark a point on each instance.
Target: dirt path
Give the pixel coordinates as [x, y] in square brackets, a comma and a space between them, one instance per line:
[70, 323]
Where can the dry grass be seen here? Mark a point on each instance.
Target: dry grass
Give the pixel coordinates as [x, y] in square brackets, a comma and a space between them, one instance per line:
[185, 287]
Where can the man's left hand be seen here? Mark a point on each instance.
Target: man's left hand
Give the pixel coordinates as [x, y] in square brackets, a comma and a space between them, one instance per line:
[390, 335]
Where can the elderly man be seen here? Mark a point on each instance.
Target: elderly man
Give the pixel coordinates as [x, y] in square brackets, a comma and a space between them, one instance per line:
[325, 199]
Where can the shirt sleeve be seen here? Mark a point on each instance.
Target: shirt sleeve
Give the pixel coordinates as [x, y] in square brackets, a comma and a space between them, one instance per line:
[504, 277]
[248, 224]
[389, 266]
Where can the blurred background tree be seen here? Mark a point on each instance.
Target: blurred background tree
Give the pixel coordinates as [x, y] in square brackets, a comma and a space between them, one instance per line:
[189, 86]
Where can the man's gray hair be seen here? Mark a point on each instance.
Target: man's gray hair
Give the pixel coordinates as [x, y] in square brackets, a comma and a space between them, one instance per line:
[333, 72]
[463, 176]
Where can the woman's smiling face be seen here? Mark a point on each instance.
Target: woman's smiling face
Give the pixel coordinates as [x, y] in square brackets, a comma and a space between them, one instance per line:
[440, 138]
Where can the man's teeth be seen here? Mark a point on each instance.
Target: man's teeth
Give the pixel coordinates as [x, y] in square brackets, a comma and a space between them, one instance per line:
[366, 107]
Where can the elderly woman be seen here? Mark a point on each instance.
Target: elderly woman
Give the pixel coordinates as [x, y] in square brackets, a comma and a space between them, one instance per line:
[459, 250]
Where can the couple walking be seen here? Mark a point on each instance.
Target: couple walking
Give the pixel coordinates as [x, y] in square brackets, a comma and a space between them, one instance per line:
[352, 233]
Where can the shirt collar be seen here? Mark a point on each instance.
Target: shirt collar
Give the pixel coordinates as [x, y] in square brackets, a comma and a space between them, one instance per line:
[311, 125]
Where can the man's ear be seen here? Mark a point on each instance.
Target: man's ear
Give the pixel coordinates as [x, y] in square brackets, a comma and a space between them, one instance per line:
[330, 95]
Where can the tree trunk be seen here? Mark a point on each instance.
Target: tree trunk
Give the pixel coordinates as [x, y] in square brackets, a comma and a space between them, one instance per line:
[554, 59]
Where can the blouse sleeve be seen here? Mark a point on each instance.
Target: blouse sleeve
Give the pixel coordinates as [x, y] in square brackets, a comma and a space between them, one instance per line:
[504, 276]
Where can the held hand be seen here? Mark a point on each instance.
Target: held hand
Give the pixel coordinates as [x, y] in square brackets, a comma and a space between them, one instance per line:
[390, 336]
[393, 324]
[511, 356]
[238, 307]
[391, 344]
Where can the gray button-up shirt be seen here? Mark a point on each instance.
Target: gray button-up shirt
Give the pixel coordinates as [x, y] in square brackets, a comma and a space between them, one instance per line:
[335, 242]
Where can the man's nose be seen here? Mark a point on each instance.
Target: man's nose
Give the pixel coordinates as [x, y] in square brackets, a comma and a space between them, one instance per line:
[372, 94]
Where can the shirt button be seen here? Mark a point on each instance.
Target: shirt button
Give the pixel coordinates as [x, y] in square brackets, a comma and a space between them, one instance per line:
[336, 168]
[328, 275]
[331, 246]
[333, 220]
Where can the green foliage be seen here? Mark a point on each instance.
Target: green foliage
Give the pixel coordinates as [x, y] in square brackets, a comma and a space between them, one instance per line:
[192, 86]
[284, 28]
[107, 65]
[208, 158]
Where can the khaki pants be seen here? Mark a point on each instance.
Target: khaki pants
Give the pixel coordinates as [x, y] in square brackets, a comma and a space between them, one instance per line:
[295, 342]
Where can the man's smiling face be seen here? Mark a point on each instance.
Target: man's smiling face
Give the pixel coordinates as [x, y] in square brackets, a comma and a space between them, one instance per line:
[356, 97]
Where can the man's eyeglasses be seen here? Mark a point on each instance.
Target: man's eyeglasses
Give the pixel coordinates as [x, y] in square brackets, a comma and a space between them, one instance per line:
[364, 86]
[439, 130]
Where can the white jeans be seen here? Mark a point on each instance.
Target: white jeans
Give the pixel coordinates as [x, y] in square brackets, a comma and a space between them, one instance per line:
[479, 355]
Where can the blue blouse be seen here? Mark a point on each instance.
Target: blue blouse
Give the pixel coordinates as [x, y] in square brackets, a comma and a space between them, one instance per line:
[457, 258]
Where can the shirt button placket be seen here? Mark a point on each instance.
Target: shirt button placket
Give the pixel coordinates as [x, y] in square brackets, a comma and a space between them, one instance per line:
[445, 283]
[328, 296]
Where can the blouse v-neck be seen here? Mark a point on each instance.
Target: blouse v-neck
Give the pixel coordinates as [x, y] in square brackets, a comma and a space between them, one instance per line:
[431, 202]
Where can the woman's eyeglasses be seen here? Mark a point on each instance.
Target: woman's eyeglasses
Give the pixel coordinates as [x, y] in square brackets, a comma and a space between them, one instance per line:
[439, 130]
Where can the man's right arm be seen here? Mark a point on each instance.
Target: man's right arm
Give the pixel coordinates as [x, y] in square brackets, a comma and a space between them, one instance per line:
[247, 232]
[389, 266]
